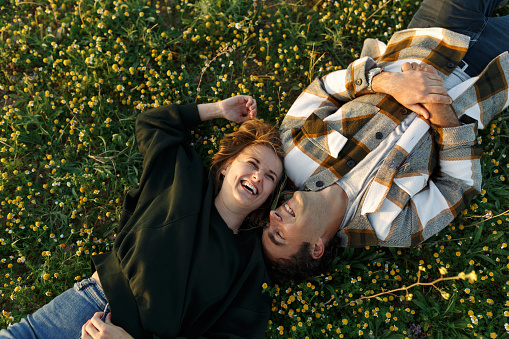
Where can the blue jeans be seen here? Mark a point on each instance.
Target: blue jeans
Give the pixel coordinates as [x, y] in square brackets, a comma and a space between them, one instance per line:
[62, 317]
[488, 35]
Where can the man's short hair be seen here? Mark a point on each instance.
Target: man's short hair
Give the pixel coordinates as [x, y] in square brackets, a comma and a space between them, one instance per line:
[301, 265]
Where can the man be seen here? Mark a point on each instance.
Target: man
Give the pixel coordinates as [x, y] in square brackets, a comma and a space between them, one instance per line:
[371, 172]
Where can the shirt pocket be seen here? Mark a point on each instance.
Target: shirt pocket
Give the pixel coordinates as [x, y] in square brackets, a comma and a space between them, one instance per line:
[318, 134]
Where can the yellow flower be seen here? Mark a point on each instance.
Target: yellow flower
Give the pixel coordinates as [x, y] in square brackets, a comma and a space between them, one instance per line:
[462, 275]
[445, 295]
[442, 270]
[46, 276]
[472, 276]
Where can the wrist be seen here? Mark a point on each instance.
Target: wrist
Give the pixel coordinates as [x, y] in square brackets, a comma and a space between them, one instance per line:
[209, 111]
[380, 83]
[442, 115]
[372, 74]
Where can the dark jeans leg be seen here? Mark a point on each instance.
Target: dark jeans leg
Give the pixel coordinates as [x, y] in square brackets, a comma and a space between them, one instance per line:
[488, 35]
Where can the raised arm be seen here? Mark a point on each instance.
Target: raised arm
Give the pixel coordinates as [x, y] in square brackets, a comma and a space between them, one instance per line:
[237, 109]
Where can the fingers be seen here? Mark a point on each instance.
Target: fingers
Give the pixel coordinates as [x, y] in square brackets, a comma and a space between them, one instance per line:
[251, 106]
[84, 333]
[414, 66]
[107, 320]
[438, 99]
[89, 331]
[93, 326]
[420, 110]
[408, 66]
[249, 110]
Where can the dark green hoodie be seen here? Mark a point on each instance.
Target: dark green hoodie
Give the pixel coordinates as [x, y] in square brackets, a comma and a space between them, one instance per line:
[176, 270]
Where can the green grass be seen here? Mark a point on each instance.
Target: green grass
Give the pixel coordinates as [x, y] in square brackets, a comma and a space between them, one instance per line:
[73, 77]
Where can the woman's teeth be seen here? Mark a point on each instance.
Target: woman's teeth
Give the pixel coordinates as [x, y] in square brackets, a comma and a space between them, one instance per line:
[251, 188]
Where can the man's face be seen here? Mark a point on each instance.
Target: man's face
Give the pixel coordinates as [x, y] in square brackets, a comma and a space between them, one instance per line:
[296, 221]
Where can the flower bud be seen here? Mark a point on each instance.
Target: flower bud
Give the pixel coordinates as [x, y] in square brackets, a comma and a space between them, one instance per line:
[472, 276]
[442, 270]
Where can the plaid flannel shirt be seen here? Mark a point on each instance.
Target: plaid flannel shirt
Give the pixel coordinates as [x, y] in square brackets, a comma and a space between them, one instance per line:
[329, 129]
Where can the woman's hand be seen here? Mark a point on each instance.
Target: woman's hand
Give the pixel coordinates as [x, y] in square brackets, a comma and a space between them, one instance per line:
[95, 328]
[237, 109]
[416, 85]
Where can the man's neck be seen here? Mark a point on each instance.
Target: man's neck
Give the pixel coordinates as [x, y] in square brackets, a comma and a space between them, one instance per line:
[335, 202]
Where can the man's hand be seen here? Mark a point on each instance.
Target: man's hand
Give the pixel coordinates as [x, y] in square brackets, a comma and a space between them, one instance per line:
[95, 328]
[440, 115]
[237, 109]
[413, 87]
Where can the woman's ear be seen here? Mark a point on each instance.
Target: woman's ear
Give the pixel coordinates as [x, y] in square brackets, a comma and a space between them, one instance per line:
[318, 249]
[224, 170]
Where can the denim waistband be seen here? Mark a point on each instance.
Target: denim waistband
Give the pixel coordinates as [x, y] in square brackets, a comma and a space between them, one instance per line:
[94, 291]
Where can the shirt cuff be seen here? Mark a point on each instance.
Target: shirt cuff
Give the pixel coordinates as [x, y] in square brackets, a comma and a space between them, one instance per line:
[358, 75]
[189, 115]
[449, 137]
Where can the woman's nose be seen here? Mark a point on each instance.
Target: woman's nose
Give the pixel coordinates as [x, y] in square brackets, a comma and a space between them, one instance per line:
[256, 176]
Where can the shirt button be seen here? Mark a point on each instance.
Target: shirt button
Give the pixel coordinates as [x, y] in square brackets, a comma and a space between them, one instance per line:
[319, 183]
[403, 111]
[379, 135]
[358, 82]
[450, 64]
[350, 163]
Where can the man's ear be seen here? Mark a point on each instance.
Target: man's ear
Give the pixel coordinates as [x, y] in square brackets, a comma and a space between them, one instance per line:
[318, 249]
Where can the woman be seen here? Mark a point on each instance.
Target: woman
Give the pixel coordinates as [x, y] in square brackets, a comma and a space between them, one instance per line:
[184, 263]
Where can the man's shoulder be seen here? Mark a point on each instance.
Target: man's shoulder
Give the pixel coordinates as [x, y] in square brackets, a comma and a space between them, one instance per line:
[414, 36]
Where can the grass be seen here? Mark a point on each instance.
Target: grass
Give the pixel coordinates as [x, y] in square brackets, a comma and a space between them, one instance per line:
[73, 77]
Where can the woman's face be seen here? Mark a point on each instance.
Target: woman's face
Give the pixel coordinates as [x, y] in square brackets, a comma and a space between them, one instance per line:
[250, 179]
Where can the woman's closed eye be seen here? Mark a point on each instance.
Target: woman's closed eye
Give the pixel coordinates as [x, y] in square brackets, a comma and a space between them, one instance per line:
[254, 165]
[271, 177]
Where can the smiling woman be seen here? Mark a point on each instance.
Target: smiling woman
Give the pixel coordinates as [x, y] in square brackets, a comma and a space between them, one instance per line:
[249, 181]
[247, 168]
[177, 269]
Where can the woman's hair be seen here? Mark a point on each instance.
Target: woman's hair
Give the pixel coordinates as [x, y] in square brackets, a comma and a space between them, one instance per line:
[251, 132]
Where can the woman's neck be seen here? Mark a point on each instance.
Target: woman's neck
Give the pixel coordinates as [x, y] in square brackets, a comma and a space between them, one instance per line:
[233, 219]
